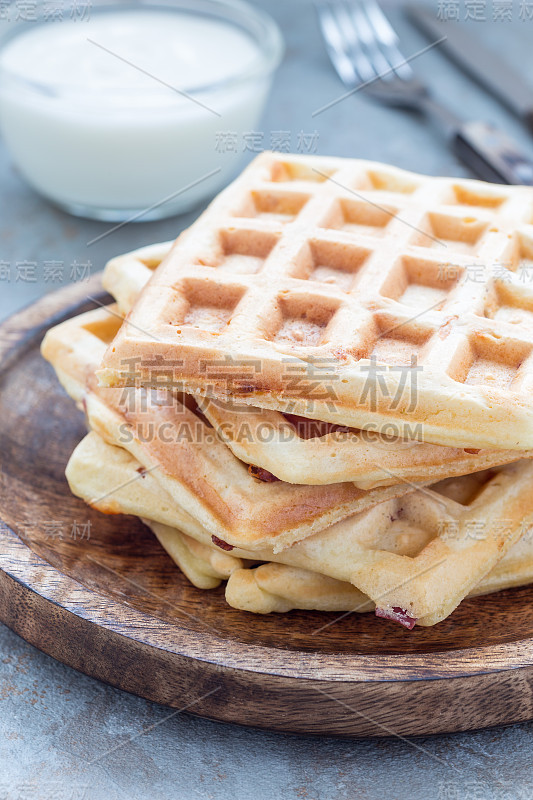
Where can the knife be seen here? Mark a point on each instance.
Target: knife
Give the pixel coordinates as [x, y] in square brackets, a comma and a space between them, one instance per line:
[478, 60]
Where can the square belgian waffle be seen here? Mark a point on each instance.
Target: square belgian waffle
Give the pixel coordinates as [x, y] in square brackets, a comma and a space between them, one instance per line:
[294, 448]
[172, 439]
[416, 557]
[315, 285]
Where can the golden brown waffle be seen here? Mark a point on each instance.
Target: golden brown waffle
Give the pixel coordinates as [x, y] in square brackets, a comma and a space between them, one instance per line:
[296, 449]
[415, 557]
[189, 460]
[95, 466]
[310, 284]
[126, 276]
[301, 450]
[280, 588]
[205, 566]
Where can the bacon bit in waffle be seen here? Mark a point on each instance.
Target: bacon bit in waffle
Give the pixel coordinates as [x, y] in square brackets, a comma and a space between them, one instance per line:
[341, 353]
[221, 543]
[261, 474]
[397, 615]
[314, 428]
[447, 327]
[396, 515]
[472, 450]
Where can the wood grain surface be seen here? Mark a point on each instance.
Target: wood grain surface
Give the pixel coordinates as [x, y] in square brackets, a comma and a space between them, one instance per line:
[100, 594]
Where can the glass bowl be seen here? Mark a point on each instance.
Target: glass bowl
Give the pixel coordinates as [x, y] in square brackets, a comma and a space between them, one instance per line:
[136, 146]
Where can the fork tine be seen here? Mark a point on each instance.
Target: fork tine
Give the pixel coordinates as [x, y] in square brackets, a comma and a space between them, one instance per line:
[343, 44]
[353, 45]
[388, 39]
[335, 43]
[368, 39]
[362, 44]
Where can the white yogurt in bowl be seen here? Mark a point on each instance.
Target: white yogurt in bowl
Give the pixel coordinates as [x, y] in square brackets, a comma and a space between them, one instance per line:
[119, 116]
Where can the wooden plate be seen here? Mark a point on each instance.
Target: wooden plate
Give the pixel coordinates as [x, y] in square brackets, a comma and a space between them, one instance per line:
[115, 607]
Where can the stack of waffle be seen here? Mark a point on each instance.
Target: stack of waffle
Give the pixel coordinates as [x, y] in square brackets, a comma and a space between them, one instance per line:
[321, 393]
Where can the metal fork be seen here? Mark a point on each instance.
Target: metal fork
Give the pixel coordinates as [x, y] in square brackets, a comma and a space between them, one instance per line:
[364, 50]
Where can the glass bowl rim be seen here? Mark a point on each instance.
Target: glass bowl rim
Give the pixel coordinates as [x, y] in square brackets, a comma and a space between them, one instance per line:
[238, 13]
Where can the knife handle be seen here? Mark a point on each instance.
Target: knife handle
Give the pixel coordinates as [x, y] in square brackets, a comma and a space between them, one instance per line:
[491, 154]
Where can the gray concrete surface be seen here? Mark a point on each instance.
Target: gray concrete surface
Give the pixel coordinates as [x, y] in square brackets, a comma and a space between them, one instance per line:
[64, 736]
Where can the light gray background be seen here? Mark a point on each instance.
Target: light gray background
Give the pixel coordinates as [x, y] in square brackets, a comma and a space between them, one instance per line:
[64, 736]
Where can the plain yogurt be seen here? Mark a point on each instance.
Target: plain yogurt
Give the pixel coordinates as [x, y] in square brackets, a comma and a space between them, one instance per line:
[124, 114]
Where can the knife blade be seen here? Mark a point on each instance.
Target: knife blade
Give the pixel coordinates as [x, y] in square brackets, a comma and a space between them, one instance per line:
[478, 60]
